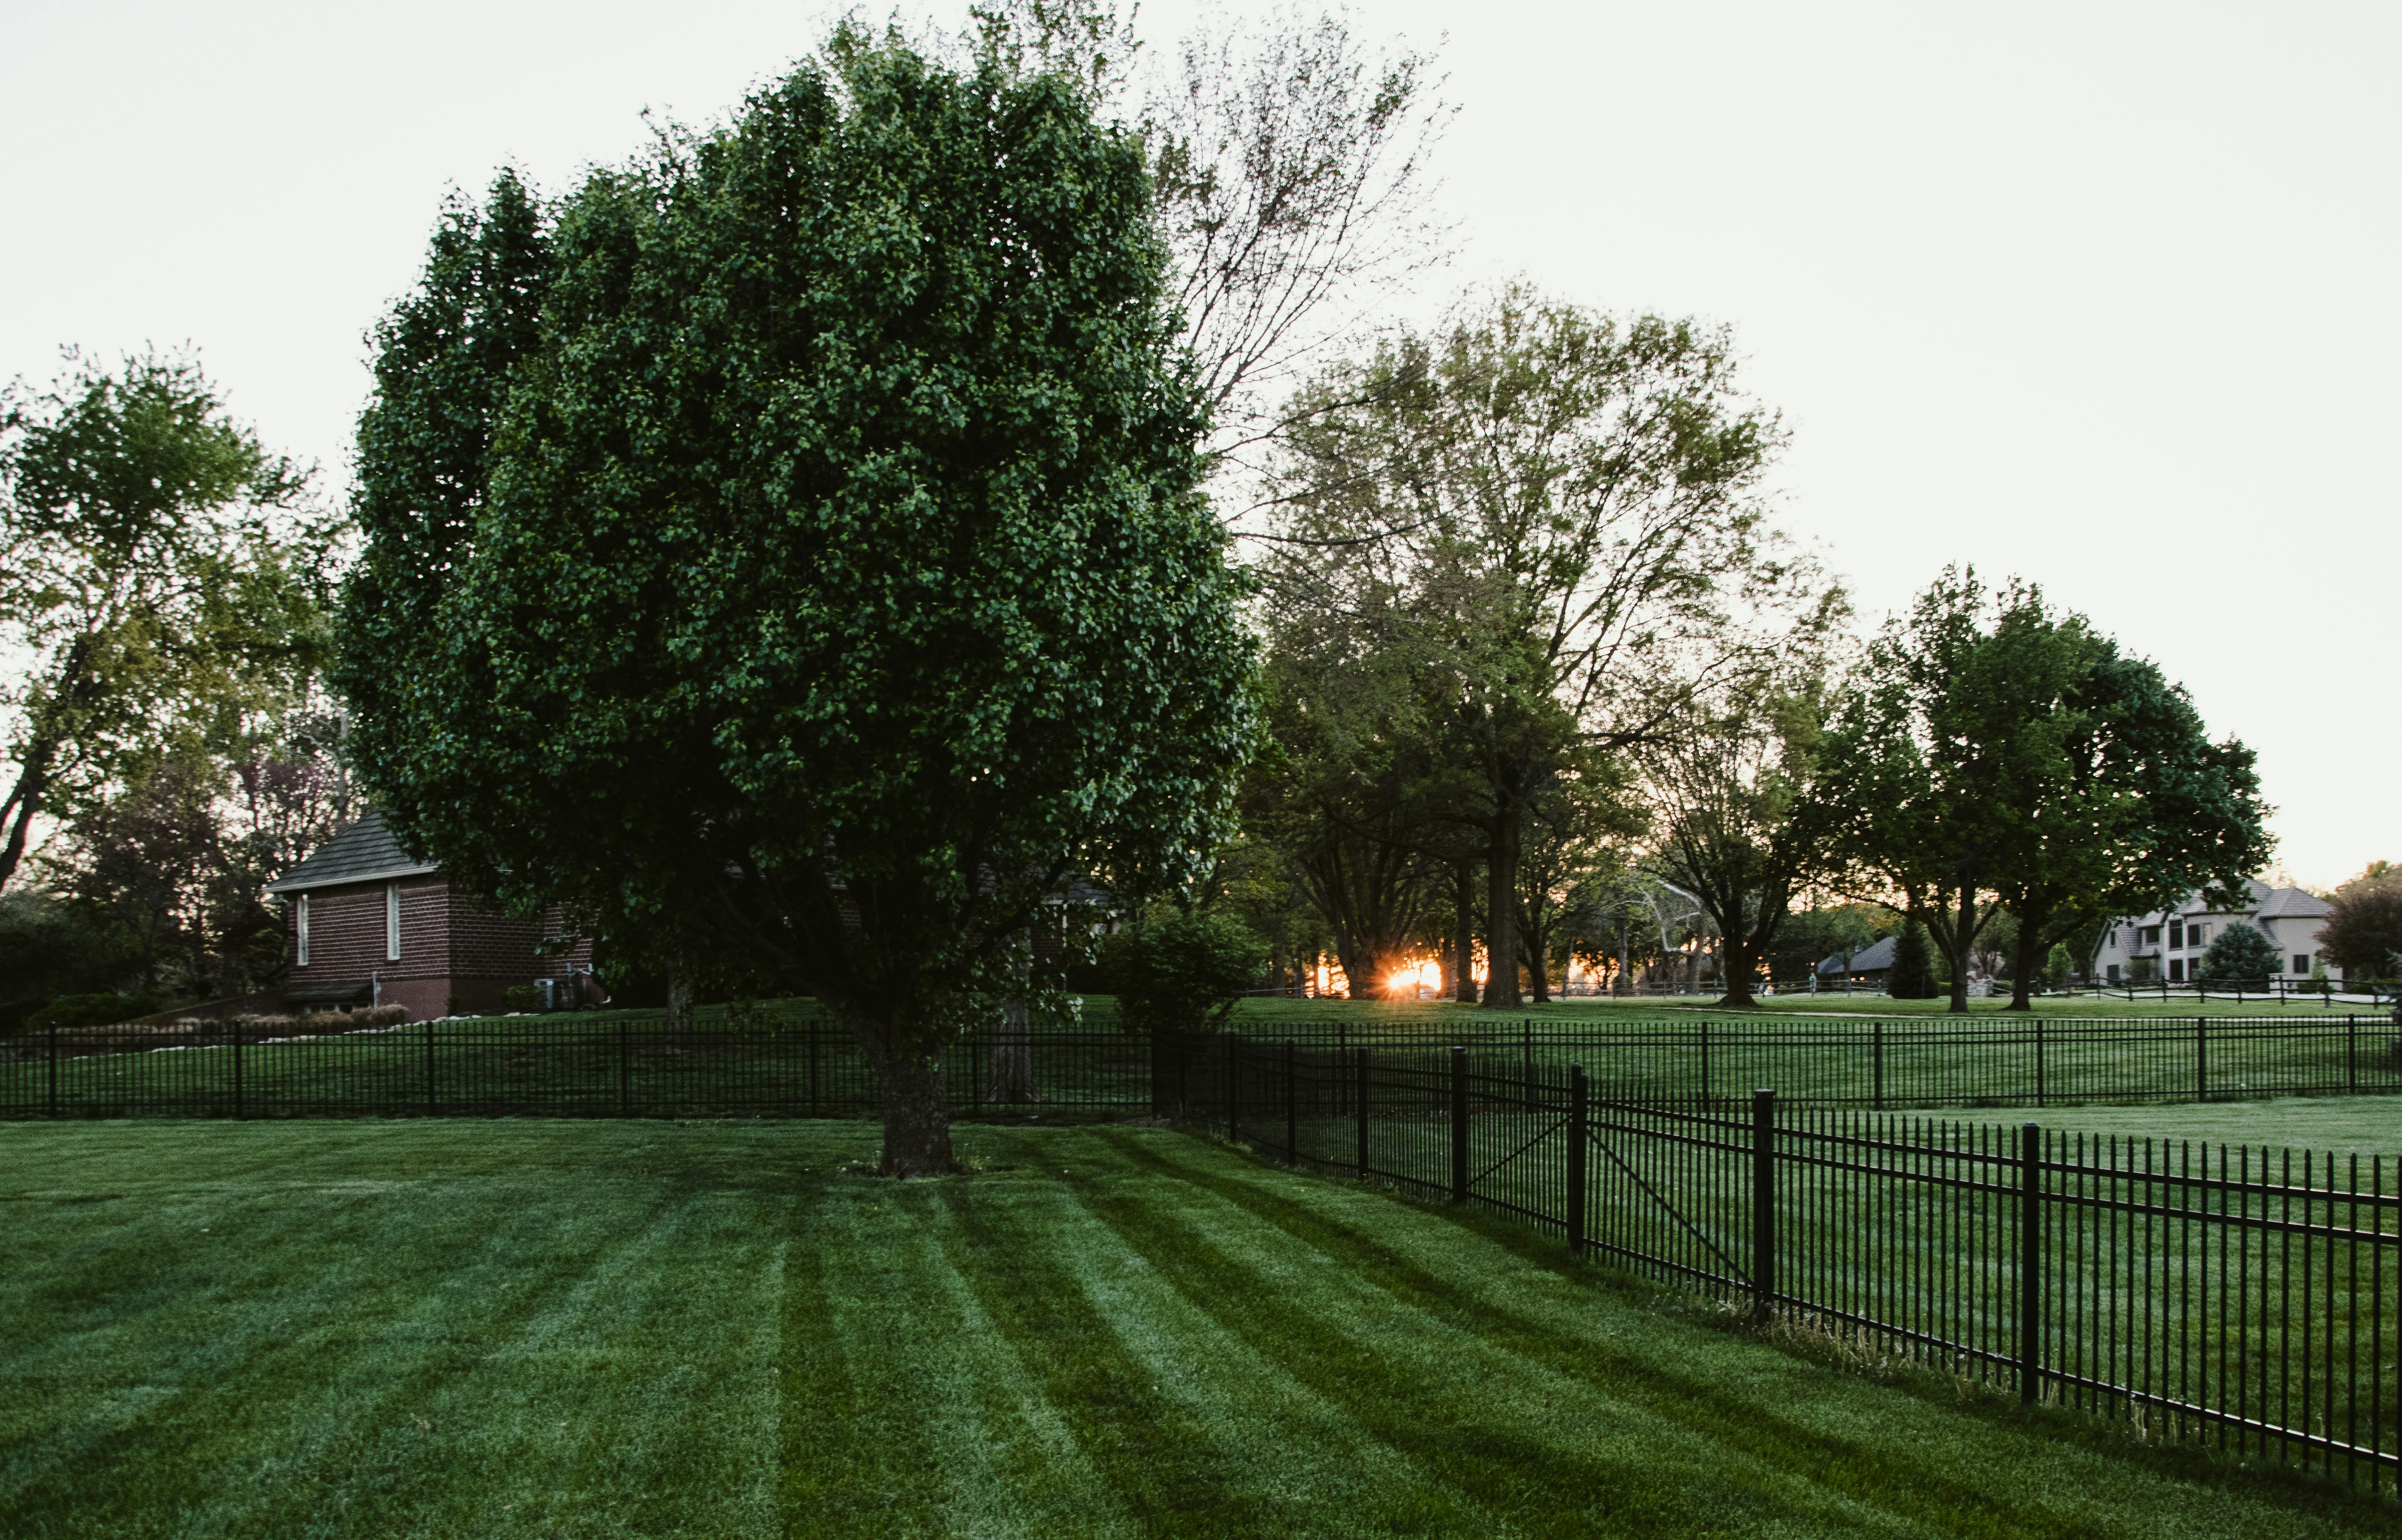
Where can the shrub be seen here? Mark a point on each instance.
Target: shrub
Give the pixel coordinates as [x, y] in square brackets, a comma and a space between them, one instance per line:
[2058, 965]
[94, 1010]
[2240, 952]
[1913, 976]
[1185, 975]
[520, 997]
[2363, 928]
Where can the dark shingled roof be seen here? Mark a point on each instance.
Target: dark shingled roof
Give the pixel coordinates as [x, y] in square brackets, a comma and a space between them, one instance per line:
[1867, 960]
[364, 852]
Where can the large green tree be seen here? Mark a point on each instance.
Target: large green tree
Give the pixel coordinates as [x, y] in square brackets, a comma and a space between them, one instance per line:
[160, 576]
[823, 571]
[1999, 755]
[1553, 510]
[1736, 788]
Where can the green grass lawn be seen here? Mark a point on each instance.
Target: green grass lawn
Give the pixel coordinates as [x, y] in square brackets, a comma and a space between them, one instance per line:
[1677, 1007]
[2349, 1125]
[588, 1328]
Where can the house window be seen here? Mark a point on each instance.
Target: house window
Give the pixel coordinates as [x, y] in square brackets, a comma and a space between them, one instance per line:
[2176, 970]
[2176, 935]
[2194, 934]
[2151, 935]
[392, 922]
[2114, 936]
[2114, 972]
[300, 930]
[2301, 962]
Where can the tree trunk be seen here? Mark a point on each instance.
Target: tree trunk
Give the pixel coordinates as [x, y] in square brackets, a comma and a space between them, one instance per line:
[679, 1031]
[1501, 912]
[1010, 1067]
[1463, 931]
[1962, 938]
[1736, 960]
[24, 801]
[2023, 964]
[917, 1120]
[1622, 985]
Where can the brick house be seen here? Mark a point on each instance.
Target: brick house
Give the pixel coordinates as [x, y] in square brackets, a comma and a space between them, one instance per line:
[366, 923]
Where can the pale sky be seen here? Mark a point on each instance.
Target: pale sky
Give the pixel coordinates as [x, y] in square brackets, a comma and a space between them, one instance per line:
[2101, 295]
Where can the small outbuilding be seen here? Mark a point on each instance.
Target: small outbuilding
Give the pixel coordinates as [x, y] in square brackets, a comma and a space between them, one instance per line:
[1869, 966]
[366, 923]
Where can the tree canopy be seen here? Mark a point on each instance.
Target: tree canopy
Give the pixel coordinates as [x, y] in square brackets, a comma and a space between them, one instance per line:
[1994, 754]
[161, 573]
[1539, 520]
[801, 545]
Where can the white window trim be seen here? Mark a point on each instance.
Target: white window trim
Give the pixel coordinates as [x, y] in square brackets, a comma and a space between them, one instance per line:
[392, 922]
[301, 929]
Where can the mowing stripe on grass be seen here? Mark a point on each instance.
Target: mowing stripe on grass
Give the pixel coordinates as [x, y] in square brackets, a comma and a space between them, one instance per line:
[1885, 1468]
[1292, 1443]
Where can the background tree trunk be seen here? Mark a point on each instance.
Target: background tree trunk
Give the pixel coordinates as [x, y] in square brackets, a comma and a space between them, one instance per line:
[1463, 931]
[1963, 941]
[679, 1030]
[1009, 1067]
[1501, 912]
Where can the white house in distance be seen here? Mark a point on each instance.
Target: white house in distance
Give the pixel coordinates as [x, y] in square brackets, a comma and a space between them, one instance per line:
[2169, 943]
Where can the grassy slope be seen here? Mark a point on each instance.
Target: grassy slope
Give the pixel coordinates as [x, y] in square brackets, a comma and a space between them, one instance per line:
[592, 1329]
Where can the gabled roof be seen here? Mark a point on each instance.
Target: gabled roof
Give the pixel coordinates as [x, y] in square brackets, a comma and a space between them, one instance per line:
[364, 852]
[2293, 902]
[1878, 956]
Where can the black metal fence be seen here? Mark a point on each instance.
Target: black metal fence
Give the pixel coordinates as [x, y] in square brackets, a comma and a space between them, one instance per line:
[792, 1060]
[768, 1063]
[2239, 1297]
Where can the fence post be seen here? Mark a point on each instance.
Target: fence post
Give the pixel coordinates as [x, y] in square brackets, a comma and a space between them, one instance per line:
[2351, 1053]
[1577, 1141]
[1458, 1124]
[1291, 1104]
[1876, 1055]
[2201, 1059]
[975, 1069]
[814, 1102]
[1234, 1077]
[237, 1071]
[54, 1070]
[1364, 1112]
[2039, 1061]
[1763, 1205]
[2030, 1260]
[429, 1066]
[625, 1067]
[1705, 1064]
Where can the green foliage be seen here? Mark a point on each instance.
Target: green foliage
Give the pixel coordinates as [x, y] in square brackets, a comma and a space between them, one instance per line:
[1505, 547]
[51, 946]
[806, 537]
[95, 1010]
[1994, 754]
[2363, 930]
[1185, 974]
[2058, 965]
[1913, 974]
[520, 997]
[2240, 952]
[160, 578]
